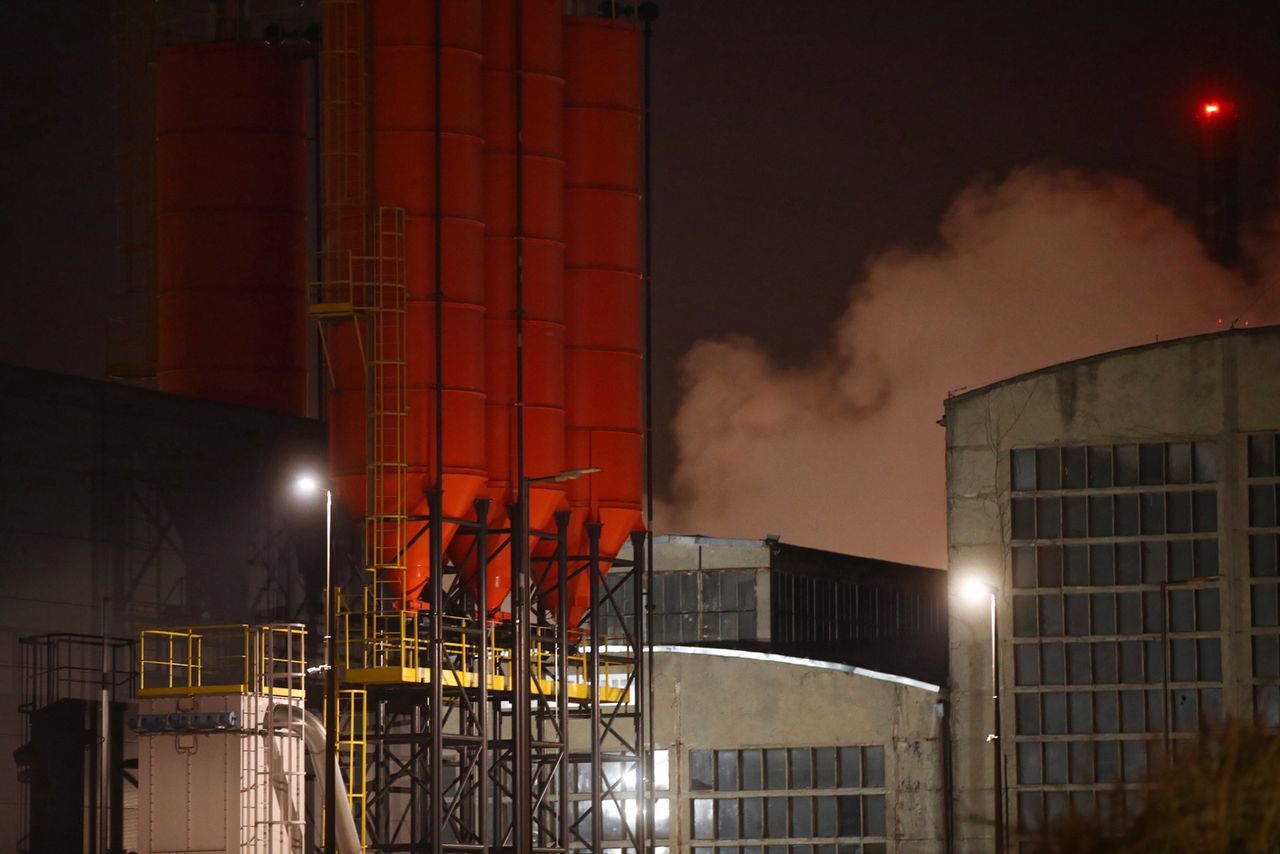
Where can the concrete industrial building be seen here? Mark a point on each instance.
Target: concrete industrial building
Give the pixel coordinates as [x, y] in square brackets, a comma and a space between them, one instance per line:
[1124, 508]
[797, 700]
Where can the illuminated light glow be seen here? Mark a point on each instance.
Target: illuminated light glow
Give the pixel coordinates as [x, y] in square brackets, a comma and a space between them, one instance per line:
[306, 485]
[974, 590]
[1212, 108]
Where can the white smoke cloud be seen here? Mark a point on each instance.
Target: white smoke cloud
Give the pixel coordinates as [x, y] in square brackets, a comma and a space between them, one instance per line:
[845, 452]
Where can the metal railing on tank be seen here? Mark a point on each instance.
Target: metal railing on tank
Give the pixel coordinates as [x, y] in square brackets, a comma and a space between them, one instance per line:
[223, 659]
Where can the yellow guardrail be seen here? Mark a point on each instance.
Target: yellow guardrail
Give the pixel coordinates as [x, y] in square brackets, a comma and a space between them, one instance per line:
[222, 659]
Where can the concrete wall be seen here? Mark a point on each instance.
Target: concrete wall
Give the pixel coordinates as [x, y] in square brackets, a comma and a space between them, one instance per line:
[1211, 388]
[122, 509]
[706, 700]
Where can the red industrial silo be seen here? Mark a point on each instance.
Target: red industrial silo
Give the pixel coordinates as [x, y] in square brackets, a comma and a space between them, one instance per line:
[427, 94]
[524, 255]
[230, 240]
[603, 309]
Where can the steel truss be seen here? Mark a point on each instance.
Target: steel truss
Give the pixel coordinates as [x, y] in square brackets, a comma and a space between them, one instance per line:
[519, 703]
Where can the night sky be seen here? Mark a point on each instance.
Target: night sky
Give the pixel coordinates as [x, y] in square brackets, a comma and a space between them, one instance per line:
[793, 142]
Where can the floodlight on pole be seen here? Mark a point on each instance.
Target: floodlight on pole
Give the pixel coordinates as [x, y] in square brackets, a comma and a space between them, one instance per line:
[306, 485]
[975, 590]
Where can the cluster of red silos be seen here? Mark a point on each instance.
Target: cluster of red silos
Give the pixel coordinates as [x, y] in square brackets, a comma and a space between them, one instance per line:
[511, 139]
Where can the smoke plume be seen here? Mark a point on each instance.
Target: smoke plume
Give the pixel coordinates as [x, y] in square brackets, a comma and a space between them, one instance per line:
[845, 453]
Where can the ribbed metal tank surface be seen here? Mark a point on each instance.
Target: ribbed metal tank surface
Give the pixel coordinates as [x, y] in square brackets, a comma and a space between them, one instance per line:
[405, 169]
[231, 241]
[524, 244]
[604, 344]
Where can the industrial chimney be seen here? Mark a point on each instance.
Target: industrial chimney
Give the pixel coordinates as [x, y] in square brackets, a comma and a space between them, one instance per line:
[1217, 206]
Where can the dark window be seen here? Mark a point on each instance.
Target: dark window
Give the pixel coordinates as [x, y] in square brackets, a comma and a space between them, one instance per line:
[753, 818]
[1079, 664]
[1128, 563]
[775, 763]
[1024, 566]
[1055, 713]
[1105, 669]
[1075, 517]
[1266, 656]
[1204, 462]
[1077, 605]
[1030, 810]
[1107, 761]
[851, 766]
[1080, 711]
[1126, 465]
[1101, 521]
[1206, 557]
[1209, 659]
[1181, 560]
[1178, 505]
[1024, 518]
[1153, 562]
[1152, 512]
[1131, 662]
[1027, 712]
[1262, 455]
[1262, 555]
[1026, 662]
[1106, 711]
[1126, 515]
[826, 817]
[849, 815]
[824, 764]
[752, 771]
[873, 767]
[1204, 511]
[1186, 711]
[1081, 762]
[1048, 518]
[1179, 463]
[1024, 469]
[703, 818]
[1024, 616]
[1133, 711]
[1208, 618]
[727, 818]
[1182, 614]
[801, 770]
[1100, 466]
[1053, 669]
[1262, 506]
[1051, 615]
[1152, 611]
[1030, 772]
[1055, 762]
[802, 816]
[1151, 463]
[1104, 614]
[727, 770]
[1129, 613]
[700, 770]
[873, 815]
[1135, 760]
[1049, 559]
[1074, 468]
[1075, 566]
[1048, 473]
[1266, 607]
[777, 817]
[1102, 565]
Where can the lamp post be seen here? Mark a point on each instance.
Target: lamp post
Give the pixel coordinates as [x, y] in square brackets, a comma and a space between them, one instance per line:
[520, 594]
[975, 590]
[307, 485]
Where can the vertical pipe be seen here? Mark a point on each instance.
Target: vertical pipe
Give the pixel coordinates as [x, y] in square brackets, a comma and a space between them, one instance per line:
[521, 766]
[436, 718]
[995, 738]
[593, 569]
[562, 666]
[330, 686]
[482, 696]
[643, 805]
[648, 13]
[1164, 661]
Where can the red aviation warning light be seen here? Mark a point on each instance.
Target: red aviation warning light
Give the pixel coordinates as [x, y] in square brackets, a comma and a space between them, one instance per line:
[1217, 109]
